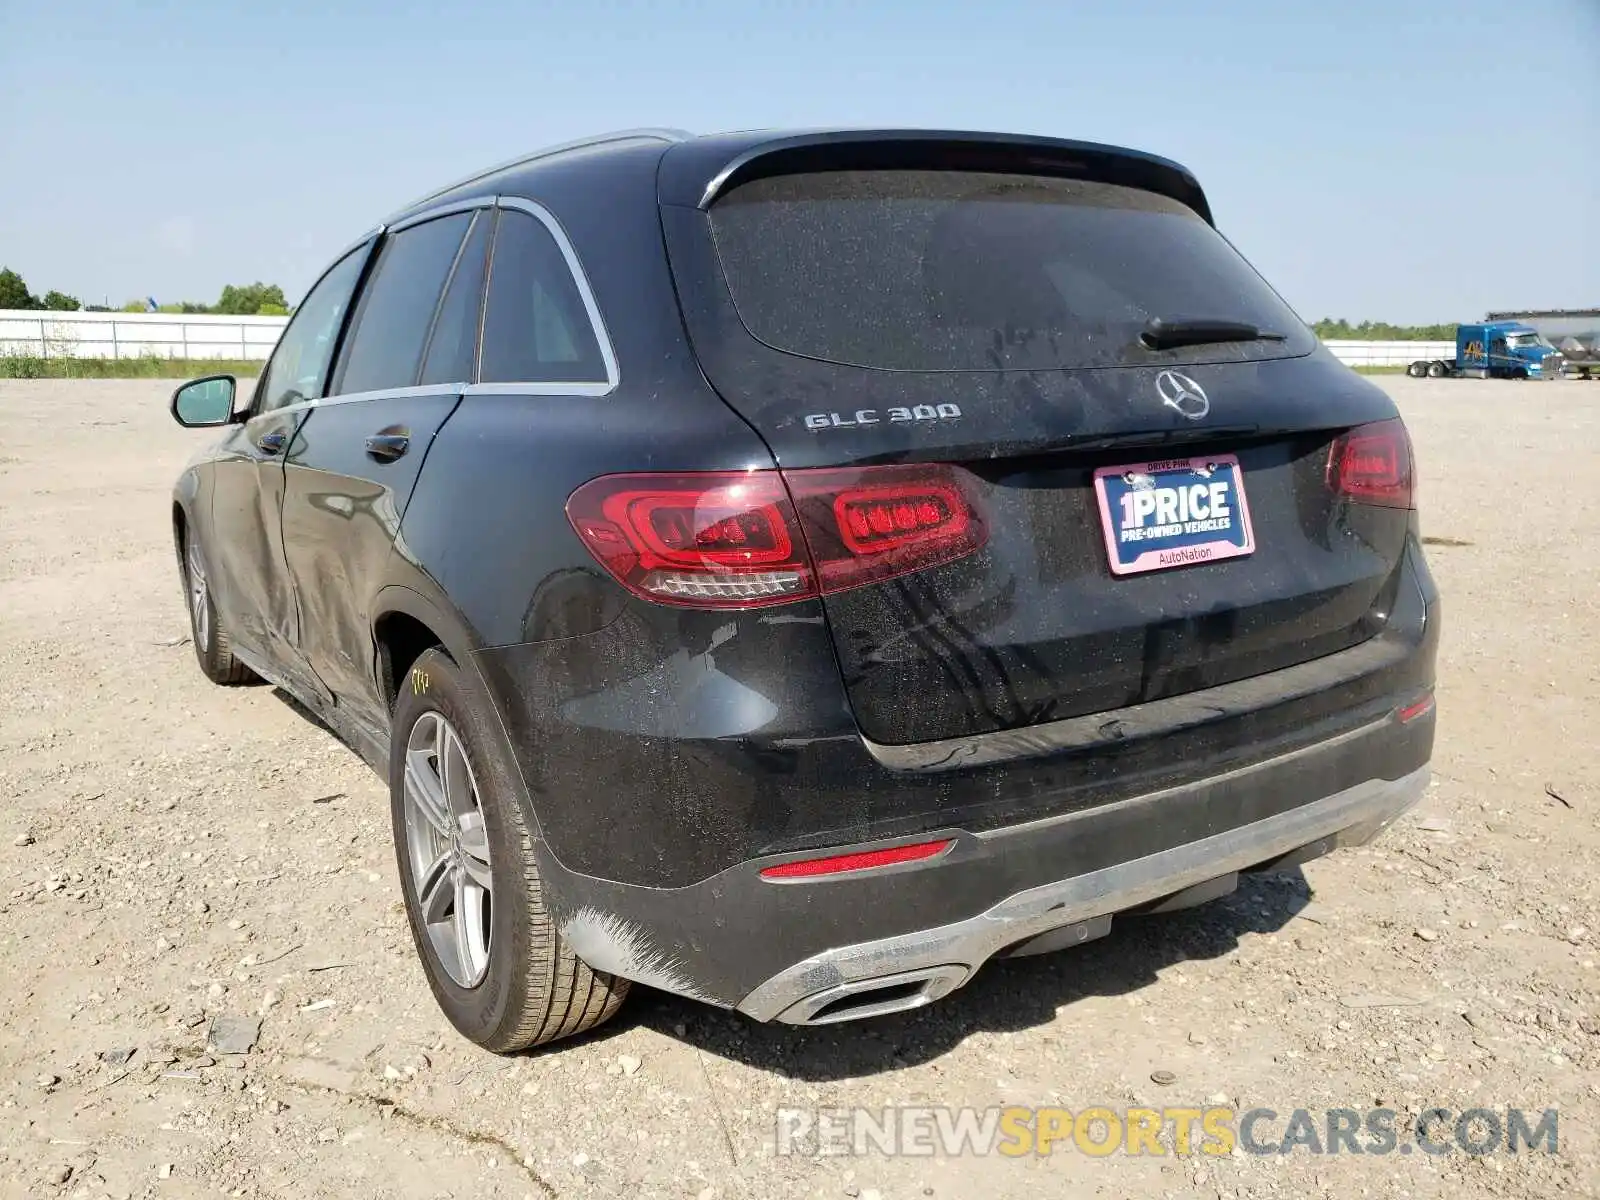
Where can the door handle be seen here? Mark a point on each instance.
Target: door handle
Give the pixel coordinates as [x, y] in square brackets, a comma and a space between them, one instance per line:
[386, 447]
[272, 443]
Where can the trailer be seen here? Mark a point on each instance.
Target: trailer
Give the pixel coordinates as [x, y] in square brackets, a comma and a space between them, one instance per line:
[1494, 350]
[1575, 332]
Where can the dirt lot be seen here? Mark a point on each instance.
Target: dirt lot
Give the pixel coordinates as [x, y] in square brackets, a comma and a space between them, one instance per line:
[172, 852]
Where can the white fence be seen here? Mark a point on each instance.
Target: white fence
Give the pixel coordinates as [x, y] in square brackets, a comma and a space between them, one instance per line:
[164, 335]
[1388, 354]
[136, 335]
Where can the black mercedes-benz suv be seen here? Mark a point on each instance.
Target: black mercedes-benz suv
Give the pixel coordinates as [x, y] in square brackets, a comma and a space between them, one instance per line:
[791, 570]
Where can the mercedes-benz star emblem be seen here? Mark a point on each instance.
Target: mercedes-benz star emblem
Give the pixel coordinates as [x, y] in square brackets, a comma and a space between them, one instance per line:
[1182, 395]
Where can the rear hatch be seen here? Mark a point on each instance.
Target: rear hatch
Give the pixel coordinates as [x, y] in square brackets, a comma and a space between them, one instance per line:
[1154, 520]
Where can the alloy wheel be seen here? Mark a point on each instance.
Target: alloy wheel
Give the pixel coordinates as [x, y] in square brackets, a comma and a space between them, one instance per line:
[447, 848]
[199, 609]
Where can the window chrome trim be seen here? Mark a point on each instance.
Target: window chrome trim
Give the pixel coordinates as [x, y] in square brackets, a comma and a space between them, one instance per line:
[443, 210]
[425, 389]
[542, 388]
[597, 324]
[602, 336]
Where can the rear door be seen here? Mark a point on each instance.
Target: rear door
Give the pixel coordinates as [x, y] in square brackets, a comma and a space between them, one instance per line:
[351, 469]
[247, 556]
[992, 322]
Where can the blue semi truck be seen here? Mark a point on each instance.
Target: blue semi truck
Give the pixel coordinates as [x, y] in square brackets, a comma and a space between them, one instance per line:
[1494, 350]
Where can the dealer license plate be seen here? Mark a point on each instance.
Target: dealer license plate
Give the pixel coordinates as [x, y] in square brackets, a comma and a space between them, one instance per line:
[1173, 513]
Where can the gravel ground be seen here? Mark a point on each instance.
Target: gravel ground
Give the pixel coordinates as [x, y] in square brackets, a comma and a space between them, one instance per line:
[172, 853]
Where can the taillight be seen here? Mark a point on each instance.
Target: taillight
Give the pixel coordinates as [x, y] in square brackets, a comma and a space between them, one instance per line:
[738, 539]
[868, 524]
[1372, 464]
[718, 539]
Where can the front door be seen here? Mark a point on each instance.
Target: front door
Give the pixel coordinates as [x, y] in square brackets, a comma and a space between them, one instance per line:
[246, 547]
[1500, 361]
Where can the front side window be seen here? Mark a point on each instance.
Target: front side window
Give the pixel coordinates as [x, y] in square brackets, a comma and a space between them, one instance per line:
[397, 307]
[536, 328]
[298, 369]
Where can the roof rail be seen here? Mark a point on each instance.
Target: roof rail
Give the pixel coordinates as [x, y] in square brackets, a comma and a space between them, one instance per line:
[621, 135]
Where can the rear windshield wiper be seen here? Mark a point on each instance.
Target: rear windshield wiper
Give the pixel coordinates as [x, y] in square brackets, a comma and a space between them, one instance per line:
[1159, 334]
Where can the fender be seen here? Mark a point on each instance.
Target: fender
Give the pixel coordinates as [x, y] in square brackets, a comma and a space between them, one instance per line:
[192, 497]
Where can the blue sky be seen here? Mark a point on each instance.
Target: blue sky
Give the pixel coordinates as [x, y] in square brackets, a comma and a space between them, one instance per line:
[1409, 160]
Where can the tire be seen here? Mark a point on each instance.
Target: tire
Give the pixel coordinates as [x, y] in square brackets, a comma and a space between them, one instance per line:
[1417, 370]
[1436, 370]
[497, 965]
[211, 645]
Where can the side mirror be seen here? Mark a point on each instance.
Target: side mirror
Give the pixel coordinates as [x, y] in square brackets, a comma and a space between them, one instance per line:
[205, 402]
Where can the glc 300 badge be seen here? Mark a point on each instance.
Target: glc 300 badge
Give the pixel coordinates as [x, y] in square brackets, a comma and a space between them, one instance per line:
[873, 416]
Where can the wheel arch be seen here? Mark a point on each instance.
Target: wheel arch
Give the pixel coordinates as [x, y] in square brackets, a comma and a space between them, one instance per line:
[404, 624]
[191, 499]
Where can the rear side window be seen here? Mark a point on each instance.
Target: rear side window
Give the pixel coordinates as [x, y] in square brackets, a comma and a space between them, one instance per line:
[535, 326]
[966, 271]
[397, 307]
[454, 344]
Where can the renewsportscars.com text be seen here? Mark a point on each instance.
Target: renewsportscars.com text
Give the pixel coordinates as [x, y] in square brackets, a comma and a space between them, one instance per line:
[1100, 1131]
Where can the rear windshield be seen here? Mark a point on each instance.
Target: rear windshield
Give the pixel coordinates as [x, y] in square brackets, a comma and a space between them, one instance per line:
[964, 271]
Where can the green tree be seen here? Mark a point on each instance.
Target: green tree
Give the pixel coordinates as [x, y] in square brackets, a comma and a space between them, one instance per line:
[14, 292]
[1336, 328]
[249, 299]
[61, 302]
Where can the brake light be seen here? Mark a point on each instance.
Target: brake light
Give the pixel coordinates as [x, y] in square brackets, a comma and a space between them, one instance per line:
[738, 539]
[1372, 464]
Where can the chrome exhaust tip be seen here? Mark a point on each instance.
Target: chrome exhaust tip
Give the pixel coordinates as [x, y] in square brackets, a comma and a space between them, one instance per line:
[877, 997]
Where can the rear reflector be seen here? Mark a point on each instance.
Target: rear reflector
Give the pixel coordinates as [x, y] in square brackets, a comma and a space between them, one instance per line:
[738, 539]
[1412, 711]
[866, 860]
[1372, 464]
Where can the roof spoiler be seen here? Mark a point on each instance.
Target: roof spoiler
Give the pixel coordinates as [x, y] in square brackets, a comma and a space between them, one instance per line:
[697, 172]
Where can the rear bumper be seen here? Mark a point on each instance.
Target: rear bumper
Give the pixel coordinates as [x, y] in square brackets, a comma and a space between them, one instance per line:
[855, 945]
[914, 968]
